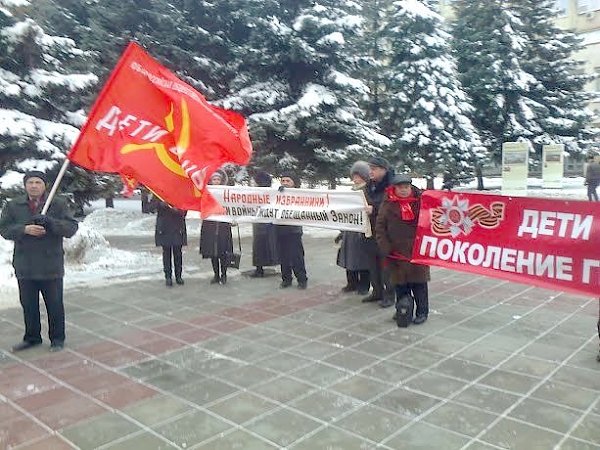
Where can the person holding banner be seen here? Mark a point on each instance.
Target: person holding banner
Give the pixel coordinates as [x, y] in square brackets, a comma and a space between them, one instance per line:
[396, 230]
[264, 239]
[215, 239]
[353, 254]
[380, 174]
[289, 243]
[38, 258]
[171, 235]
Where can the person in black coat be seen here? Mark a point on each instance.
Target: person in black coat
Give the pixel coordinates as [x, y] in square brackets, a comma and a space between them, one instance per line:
[264, 239]
[38, 258]
[289, 243]
[380, 173]
[171, 235]
[216, 242]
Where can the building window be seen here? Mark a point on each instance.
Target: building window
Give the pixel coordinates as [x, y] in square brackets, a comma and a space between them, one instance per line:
[561, 6]
[584, 6]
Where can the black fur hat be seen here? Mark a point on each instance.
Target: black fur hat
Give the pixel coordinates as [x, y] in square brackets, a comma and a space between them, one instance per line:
[263, 179]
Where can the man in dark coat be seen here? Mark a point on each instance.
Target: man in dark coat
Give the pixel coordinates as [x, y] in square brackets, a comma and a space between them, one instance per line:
[38, 258]
[264, 239]
[171, 235]
[289, 243]
[380, 173]
[216, 242]
[396, 230]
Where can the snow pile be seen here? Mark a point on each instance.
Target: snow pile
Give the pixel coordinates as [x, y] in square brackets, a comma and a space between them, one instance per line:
[115, 222]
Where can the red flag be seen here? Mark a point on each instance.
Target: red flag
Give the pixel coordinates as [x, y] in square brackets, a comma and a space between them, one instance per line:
[150, 126]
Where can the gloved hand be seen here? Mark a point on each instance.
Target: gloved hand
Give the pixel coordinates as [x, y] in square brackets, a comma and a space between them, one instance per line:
[338, 238]
[43, 220]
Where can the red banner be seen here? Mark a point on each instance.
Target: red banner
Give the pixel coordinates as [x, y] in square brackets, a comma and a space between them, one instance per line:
[151, 127]
[549, 243]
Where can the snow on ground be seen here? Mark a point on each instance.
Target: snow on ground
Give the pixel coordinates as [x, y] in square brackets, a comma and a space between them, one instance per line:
[90, 260]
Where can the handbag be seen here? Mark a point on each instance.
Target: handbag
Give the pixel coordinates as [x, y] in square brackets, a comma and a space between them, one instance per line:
[233, 259]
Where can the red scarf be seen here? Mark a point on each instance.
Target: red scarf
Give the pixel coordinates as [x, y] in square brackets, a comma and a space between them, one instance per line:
[405, 203]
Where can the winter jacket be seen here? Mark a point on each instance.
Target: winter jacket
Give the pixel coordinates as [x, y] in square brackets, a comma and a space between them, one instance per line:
[264, 245]
[37, 258]
[375, 193]
[170, 226]
[215, 239]
[396, 236]
[592, 173]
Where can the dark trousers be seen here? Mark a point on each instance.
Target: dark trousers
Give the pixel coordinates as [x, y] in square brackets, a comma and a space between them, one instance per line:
[219, 266]
[419, 292]
[177, 260]
[291, 255]
[358, 279]
[591, 191]
[380, 278]
[52, 293]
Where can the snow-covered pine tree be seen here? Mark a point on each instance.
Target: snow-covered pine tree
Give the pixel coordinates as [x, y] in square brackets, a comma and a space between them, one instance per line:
[295, 84]
[549, 58]
[425, 109]
[39, 94]
[490, 48]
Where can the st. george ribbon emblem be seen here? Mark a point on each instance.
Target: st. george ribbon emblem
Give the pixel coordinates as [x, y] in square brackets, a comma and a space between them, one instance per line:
[456, 217]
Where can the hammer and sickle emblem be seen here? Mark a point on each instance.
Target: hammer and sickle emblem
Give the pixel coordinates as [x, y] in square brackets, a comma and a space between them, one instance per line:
[164, 154]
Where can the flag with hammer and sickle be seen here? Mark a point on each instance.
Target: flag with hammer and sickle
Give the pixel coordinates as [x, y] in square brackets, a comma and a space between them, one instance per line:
[150, 127]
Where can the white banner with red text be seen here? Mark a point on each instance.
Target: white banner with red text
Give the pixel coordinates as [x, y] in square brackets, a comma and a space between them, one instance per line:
[553, 244]
[336, 210]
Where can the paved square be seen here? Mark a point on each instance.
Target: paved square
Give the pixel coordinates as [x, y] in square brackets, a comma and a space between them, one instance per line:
[251, 366]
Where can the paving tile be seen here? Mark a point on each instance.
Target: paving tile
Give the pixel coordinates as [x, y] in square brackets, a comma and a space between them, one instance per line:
[242, 407]
[157, 409]
[422, 436]
[332, 439]
[19, 431]
[404, 402]
[417, 358]
[68, 412]
[283, 389]
[509, 381]
[48, 443]
[173, 379]
[389, 372]
[588, 429]
[360, 387]
[247, 376]
[237, 440]
[125, 395]
[434, 384]
[315, 350]
[460, 419]
[378, 347]
[98, 383]
[508, 433]
[580, 377]
[283, 427]
[284, 362]
[342, 339]
[205, 391]
[142, 441]
[460, 368]
[575, 444]
[160, 346]
[545, 415]
[147, 369]
[20, 381]
[325, 405]
[192, 429]
[564, 394]
[8, 412]
[320, 374]
[350, 360]
[487, 398]
[56, 360]
[372, 423]
[99, 430]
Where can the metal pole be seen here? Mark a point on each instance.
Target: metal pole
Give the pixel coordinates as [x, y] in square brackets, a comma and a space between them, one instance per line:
[59, 178]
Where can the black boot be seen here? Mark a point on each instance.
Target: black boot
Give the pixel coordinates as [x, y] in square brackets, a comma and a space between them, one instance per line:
[258, 273]
[169, 282]
[215, 279]
[223, 279]
[179, 281]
